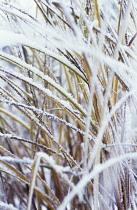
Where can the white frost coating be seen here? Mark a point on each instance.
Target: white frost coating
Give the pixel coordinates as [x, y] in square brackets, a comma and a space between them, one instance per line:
[86, 178]
[51, 116]
[5, 206]
[16, 160]
[19, 120]
[59, 169]
[6, 38]
[6, 135]
[21, 63]
[9, 38]
[33, 21]
[64, 103]
[51, 162]
[13, 9]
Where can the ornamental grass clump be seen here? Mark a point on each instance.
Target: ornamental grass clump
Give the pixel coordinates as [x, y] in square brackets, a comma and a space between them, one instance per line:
[68, 104]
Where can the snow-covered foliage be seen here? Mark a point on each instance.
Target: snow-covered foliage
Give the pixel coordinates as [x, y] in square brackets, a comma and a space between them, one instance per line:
[68, 105]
